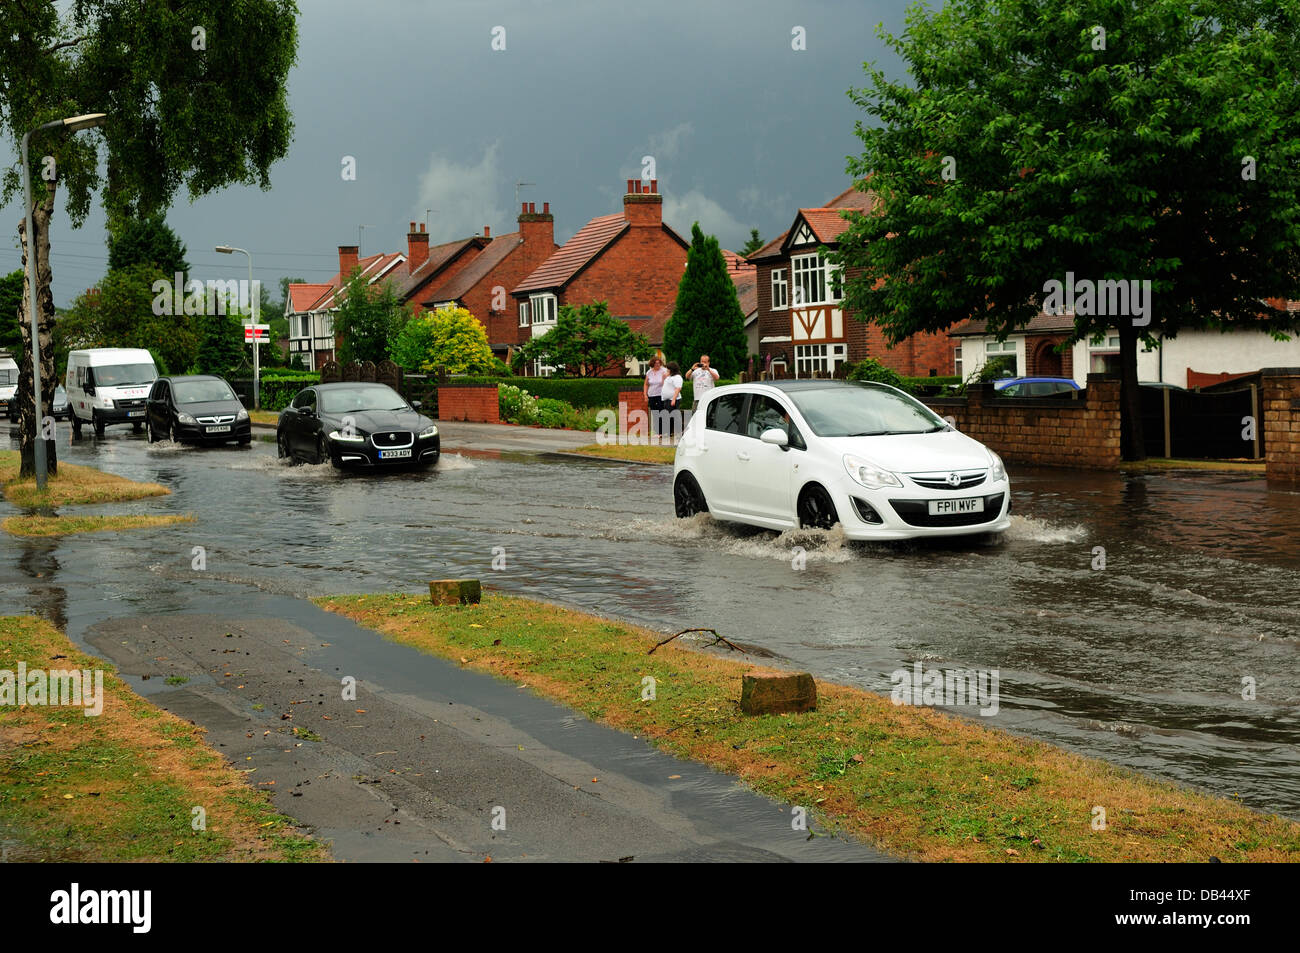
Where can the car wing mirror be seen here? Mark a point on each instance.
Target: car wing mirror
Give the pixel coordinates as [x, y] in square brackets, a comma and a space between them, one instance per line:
[415, 405]
[776, 437]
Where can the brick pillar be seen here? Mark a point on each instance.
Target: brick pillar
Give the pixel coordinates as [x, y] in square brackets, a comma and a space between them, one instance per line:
[1280, 407]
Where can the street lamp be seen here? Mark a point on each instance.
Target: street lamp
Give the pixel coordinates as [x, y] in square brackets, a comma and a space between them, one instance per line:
[253, 309]
[72, 124]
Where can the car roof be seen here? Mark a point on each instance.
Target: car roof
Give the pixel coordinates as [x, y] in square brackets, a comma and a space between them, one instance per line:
[349, 384]
[191, 377]
[111, 353]
[1036, 380]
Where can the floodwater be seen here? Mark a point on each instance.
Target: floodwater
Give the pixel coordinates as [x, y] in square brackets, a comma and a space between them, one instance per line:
[1181, 657]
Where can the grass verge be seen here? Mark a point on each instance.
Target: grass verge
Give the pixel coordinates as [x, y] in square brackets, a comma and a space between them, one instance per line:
[122, 785]
[68, 525]
[913, 781]
[271, 417]
[633, 452]
[1225, 466]
[73, 484]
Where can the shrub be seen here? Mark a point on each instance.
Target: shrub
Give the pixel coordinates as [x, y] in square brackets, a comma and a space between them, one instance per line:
[516, 405]
[872, 370]
[550, 412]
[279, 388]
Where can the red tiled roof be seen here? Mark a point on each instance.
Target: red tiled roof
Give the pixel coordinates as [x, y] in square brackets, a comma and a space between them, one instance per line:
[371, 266]
[574, 254]
[825, 221]
[460, 284]
[302, 297]
[439, 256]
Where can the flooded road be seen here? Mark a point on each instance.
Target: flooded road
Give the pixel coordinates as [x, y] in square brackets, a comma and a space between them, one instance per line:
[1141, 662]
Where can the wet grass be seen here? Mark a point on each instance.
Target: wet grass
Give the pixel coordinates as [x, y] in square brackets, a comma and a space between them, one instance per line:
[1225, 466]
[73, 484]
[912, 781]
[68, 525]
[122, 785]
[271, 417]
[633, 452]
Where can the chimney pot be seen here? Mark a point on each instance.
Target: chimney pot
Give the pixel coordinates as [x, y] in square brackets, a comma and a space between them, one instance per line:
[487, 231]
[422, 228]
[523, 208]
[546, 208]
[654, 185]
[630, 188]
[412, 226]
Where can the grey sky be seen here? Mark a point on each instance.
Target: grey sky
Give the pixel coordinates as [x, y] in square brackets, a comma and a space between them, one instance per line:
[743, 128]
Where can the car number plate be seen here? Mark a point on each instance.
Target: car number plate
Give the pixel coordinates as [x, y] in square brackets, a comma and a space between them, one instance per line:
[393, 454]
[135, 413]
[225, 429]
[956, 507]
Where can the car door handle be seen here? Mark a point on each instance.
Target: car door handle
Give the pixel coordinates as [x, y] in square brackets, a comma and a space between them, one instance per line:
[742, 455]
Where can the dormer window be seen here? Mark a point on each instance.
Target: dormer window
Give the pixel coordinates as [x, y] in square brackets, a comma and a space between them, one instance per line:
[542, 308]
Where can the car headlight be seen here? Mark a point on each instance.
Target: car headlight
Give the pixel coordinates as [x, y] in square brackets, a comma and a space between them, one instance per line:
[185, 419]
[347, 438]
[242, 415]
[999, 470]
[429, 431]
[868, 474]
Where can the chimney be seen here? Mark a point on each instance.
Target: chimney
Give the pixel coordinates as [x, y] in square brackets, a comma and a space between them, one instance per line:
[417, 248]
[348, 257]
[537, 231]
[643, 206]
[487, 231]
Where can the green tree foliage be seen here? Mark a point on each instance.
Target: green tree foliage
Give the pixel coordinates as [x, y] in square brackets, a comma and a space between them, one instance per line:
[586, 341]
[707, 318]
[1132, 141]
[196, 94]
[752, 244]
[11, 307]
[368, 319]
[147, 241]
[119, 313]
[451, 338]
[221, 344]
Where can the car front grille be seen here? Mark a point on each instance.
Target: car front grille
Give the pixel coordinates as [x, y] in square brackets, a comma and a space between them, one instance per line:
[216, 419]
[133, 404]
[940, 481]
[917, 513]
[392, 439]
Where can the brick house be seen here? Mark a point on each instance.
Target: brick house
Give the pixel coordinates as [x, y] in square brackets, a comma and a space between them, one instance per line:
[744, 276]
[632, 260]
[802, 328]
[310, 308]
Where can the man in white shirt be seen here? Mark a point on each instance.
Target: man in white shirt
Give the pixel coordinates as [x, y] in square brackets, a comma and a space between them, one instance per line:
[702, 378]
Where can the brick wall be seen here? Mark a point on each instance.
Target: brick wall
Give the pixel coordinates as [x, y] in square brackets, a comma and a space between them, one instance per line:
[638, 274]
[1082, 433]
[477, 403]
[1280, 405]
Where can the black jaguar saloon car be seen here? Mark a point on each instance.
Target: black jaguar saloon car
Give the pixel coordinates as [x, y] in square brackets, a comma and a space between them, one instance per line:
[356, 425]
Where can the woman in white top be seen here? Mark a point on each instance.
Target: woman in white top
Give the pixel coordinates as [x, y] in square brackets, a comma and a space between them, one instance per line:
[653, 387]
[672, 398]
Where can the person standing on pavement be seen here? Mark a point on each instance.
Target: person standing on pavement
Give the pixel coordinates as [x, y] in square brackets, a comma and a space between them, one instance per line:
[653, 387]
[702, 378]
[671, 395]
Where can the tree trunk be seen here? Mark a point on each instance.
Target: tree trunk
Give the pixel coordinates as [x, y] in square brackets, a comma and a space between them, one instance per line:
[1132, 439]
[28, 426]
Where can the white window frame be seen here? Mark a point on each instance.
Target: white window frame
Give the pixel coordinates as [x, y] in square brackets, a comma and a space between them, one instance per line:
[956, 361]
[327, 325]
[818, 357]
[543, 305]
[780, 289]
[996, 349]
[524, 319]
[808, 275]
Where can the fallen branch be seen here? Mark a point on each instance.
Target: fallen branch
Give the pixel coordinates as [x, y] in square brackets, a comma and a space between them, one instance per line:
[716, 639]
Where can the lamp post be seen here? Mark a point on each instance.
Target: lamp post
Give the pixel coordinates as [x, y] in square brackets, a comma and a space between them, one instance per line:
[72, 124]
[253, 308]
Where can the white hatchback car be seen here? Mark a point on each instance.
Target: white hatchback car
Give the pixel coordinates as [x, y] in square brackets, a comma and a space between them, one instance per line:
[813, 453]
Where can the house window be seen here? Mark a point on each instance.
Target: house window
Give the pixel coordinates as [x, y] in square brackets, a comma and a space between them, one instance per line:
[1103, 357]
[1005, 351]
[780, 289]
[523, 314]
[809, 273]
[327, 325]
[819, 358]
[956, 360]
[542, 308]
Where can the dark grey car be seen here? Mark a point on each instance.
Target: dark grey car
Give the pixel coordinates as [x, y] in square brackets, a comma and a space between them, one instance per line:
[356, 425]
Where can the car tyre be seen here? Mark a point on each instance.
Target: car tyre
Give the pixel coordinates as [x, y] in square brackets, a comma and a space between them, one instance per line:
[149, 434]
[816, 509]
[323, 452]
[688, 498]
[174, 434]
[137, 426]
[245, 441]
[98, 423]
[282, 448]
[76, 426]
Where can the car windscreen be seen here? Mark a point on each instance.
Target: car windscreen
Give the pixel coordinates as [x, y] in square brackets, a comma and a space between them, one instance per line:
[8, 376]
[123, 375]
[198, 392]
[351, 400]
[863, 410]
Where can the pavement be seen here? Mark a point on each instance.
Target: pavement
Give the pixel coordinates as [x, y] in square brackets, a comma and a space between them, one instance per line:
[431, 762]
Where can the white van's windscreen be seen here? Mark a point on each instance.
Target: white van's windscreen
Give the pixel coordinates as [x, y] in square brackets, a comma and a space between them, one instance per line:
[8, 376]
[122, 375]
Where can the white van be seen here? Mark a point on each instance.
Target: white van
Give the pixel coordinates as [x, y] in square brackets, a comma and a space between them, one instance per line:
[8, 381]
[108, 385]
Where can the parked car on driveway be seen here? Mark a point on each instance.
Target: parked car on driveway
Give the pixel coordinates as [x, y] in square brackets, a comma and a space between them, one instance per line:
[814, 453]
[196, 408]
[1035, 386]
[356, 425]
